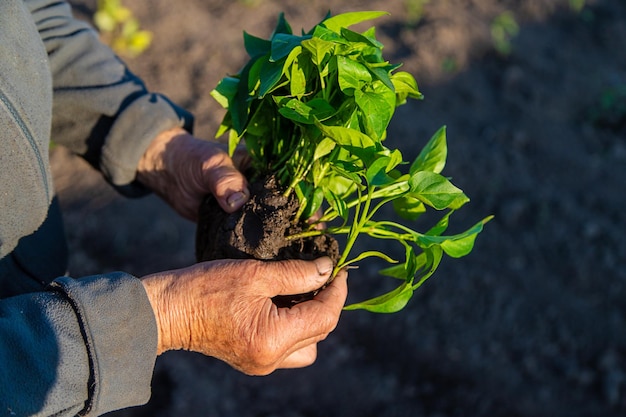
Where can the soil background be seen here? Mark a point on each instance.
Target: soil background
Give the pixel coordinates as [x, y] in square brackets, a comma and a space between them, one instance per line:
[531, 324]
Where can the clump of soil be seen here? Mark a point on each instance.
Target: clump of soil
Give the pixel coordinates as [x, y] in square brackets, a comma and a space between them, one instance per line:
[259, 231]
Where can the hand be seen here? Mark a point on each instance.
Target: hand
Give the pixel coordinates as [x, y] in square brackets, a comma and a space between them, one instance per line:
[224, 309]
[183, 169]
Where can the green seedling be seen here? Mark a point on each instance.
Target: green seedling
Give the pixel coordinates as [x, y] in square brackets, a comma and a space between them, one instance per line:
[503, 29]
[120, 29]
[313, 110]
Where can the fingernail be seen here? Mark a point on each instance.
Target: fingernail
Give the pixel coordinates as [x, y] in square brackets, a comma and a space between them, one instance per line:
[324, 265]
[236, 199]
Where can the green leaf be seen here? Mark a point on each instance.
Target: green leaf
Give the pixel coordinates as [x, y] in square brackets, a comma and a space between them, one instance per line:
[433, 189]
[341, 182]
[322, 33]
[391, 302]
[347, 171]
[433, 155]
[376, 174]
[239, 106]
[225, 91]
[297, 81]
[321, 109]
[395, 159]
[383, 75]
[296, 110]
[345, 20]
[377, 107]
[457, 245]
[319, 49]
[458, 248]
[408, 207]
[352, 75]
[407, 270]
[323, 148]
[283, 44]
[464, 244]
[256, 46]
[357, 37]
[393, 190]
[314, 203]
[405, 86]
[270, 74]
[282, 26]
[233, 142]
[347, 137]
[336, 203]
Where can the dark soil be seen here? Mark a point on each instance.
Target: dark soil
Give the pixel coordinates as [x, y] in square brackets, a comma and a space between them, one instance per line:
[531, 324]
[259, 230]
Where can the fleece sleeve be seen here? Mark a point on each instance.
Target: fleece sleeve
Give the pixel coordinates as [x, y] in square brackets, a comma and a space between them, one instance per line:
[84, 347]
[101, 110]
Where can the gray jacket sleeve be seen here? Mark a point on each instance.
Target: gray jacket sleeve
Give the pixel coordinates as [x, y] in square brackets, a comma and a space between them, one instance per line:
[47, 371]
[100, 109]
[86, 346]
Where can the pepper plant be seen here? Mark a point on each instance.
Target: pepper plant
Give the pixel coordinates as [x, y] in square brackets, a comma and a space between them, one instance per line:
[313, 110]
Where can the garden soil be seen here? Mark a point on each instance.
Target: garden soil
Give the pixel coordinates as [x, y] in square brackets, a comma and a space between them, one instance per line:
[531, 324]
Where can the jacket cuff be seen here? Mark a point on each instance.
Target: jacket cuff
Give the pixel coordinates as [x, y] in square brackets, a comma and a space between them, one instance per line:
[134, 129]
[119, 328]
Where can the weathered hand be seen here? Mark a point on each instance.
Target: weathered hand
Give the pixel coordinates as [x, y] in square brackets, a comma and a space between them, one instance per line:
[224, 309]
[183, 169]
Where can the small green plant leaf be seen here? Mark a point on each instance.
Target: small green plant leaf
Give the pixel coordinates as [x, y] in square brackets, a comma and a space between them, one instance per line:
[345, 20]
[433, 155]
[282, 26]
[297, 81]
[323, 148]
[349, 138]
[352, 75]
[322, 110]
[405, 87]
[457, 245]
[283, 44]
[407, 270]
[376, 174]
[270, 74]
[256, 47]
[314, 203]
[409, 207]
[377, 107]
[356, 37]
[225, 91]
[336, 203]
[319, 49]
[391, 302]
[433, 189]
[296, 110]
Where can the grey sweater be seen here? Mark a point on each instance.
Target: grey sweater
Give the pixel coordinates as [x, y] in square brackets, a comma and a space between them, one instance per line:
[67, 346]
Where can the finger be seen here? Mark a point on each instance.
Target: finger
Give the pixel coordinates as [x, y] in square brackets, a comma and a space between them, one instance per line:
[311, 321]
[227, 184]
[296, 276]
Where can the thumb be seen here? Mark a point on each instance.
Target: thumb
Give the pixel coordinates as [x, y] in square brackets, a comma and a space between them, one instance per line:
[227, 184]
[299, 277]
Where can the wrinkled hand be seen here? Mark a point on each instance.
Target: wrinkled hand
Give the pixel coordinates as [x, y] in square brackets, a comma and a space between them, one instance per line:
[183, 169]
[224, 309]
